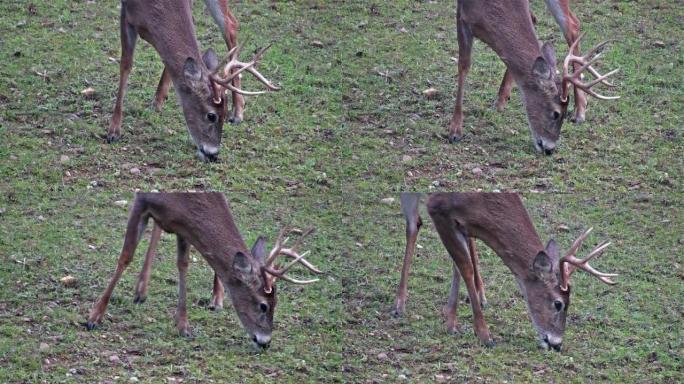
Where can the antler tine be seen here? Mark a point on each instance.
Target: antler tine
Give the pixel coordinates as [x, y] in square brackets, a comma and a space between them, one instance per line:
[308, 265]
[569, 262]
[228, 65]
[276, 247]
[288, 278]
[585, 62]
[578, 243]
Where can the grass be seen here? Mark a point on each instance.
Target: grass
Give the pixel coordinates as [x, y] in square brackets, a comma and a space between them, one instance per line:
[324, 151]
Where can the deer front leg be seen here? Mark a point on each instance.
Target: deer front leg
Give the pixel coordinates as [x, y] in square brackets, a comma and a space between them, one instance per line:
[128, 39]
[217, 295]
[135, 229]
[182, 261]
[162, 90]
[465, 44]
[570, 25]
[409, 206]
[450, 310]
[457, 244]
[144, 278]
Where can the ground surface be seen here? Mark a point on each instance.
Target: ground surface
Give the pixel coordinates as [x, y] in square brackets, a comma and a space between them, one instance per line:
[349, 128]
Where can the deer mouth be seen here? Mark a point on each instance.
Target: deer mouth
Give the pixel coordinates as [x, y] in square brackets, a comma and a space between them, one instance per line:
[548, 342]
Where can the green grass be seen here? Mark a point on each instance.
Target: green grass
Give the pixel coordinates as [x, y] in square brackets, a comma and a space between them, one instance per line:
[324, 151]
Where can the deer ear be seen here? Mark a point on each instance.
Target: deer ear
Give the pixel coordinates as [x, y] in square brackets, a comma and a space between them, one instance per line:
[541, 69]
[259, 249]
[549, 54]
[241, 264]
[191, 70]
[210, 60]
[543, 266]
[552, 250]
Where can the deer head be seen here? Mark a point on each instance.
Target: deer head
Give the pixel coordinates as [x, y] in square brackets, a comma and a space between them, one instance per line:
[547, 95]
[203, 97]
[253, 290]
[547, 288]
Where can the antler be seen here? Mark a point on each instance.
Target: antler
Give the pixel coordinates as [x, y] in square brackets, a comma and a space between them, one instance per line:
[585, 61]
[241, 66]
[279, 249]
[569, 263]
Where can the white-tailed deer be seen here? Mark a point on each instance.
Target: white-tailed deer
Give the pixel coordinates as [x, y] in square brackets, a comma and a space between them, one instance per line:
[204, 221]
[200, 81]
[500, 221]
[507, 27]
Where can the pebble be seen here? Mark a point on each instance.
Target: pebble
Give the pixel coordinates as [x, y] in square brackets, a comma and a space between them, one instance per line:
[388, 200]
[430, 93]
[63, 159]
[135, 171]
[406, 158]
[121, 203]
[477, 171]
[115, 359]
[43, 347]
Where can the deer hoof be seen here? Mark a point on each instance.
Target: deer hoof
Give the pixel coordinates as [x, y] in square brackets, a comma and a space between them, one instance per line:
[215, 307]
[139, 299]
[235, 120]
[112, 139]
[90, 325]
[489, 343]
[455, 138]
[185, 332]
[578, 120]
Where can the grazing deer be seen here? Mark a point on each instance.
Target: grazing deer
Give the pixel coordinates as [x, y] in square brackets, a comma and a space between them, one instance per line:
[507, 27]
[200, 82]
[204, 221]
[500, 221]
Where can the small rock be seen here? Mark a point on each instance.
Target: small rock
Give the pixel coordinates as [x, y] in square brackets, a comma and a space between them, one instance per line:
[659, 43]
[121, 203]
[317, 43]
[388, 200]
[114, 359]
[13, 157]
[41, 218]
[403, 30]
[43, 347]
[88, 92]
[402, 377]
[68, 281]
[563, 228]
[135, 171]
[382, 356]
[477, 171]
[430, 93]
[63, 159]
[133, 379]
[406, 158]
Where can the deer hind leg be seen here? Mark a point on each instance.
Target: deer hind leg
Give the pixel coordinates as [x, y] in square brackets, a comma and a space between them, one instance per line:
[229, 26]
[476, 267]
[570, 25]
[456, 242]
[162, 92]
[182, 260]
[136, 227]
[409, 206]
[450, 310]
[144, 278]
[217, 295]
[128, 39]
[465, 45]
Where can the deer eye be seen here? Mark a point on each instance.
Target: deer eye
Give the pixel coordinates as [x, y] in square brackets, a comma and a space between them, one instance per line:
[556, 115]
[263, 307]
[212, 117]
[558, 305]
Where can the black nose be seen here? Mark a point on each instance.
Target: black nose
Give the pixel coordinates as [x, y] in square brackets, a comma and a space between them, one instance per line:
[548, 151]
[261, 345]
[556, 347]
[210, 157]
